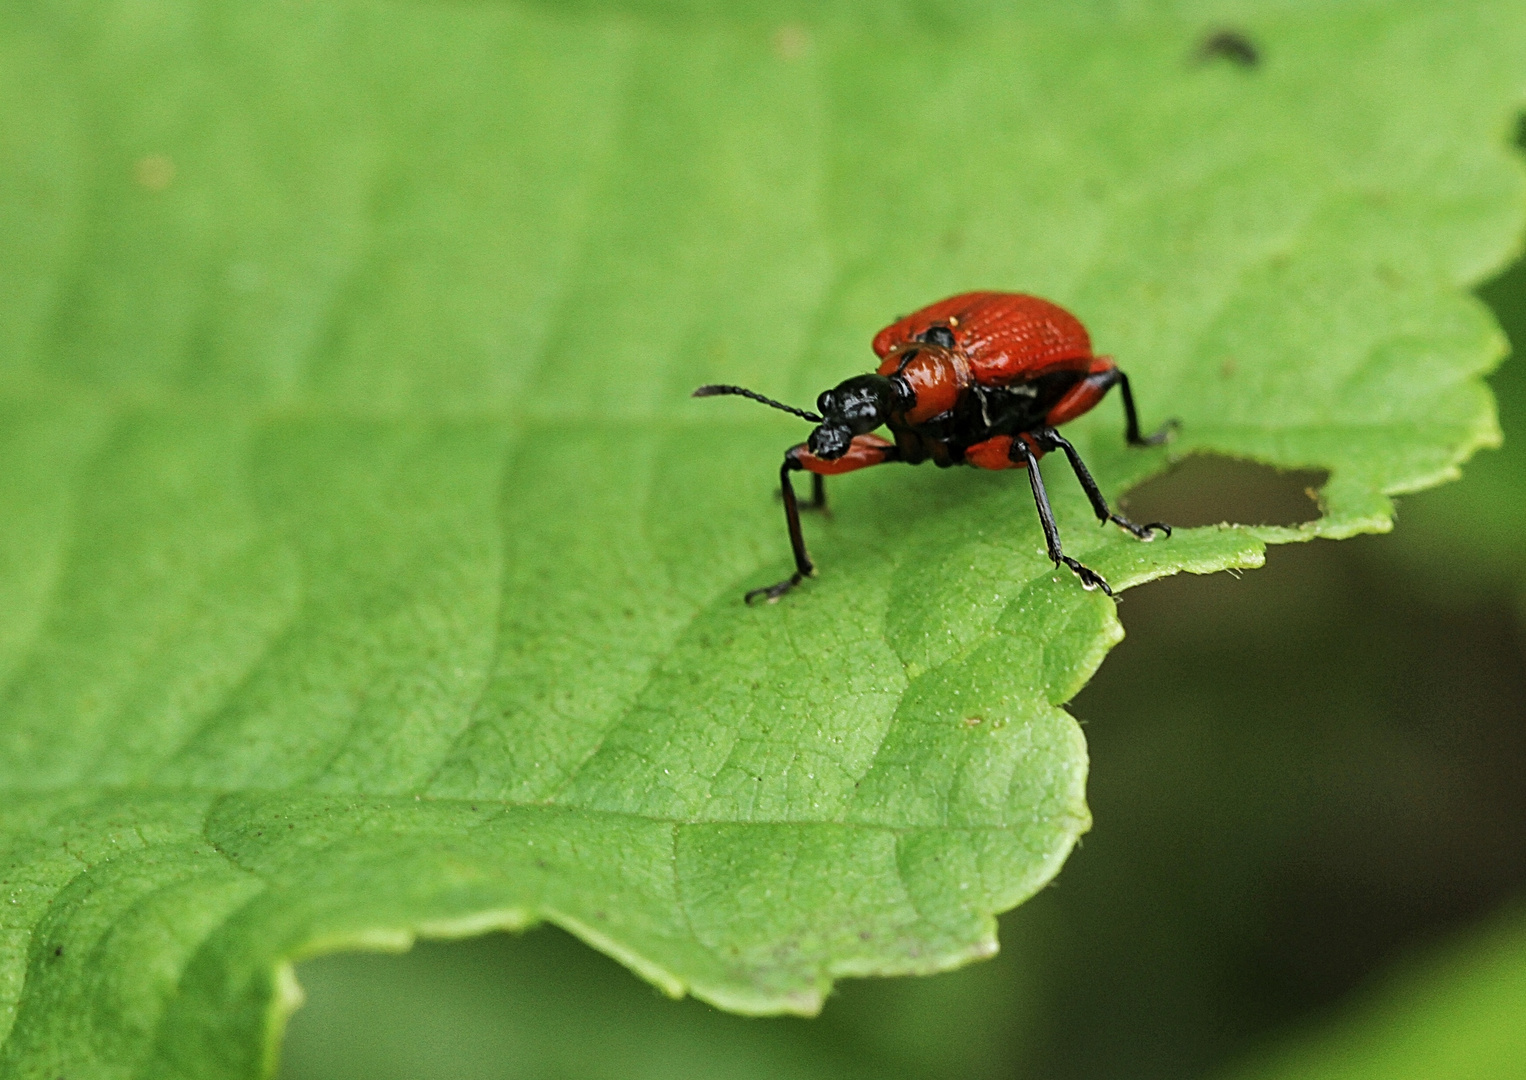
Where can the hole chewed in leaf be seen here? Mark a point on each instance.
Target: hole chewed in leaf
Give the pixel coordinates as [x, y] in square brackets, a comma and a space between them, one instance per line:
[1206, 489]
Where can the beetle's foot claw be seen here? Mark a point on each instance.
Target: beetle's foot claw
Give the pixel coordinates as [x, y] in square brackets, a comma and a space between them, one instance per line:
[776, 590]
[1090, 579]
[1141, 532]
[1164, 434]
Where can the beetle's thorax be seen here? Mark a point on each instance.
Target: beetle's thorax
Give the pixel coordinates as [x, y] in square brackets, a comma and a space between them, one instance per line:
[933, 378]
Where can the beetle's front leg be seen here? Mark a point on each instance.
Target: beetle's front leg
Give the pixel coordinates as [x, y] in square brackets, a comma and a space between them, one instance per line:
[818, 494]
[818, 500]
[865, 450]
[804, 568]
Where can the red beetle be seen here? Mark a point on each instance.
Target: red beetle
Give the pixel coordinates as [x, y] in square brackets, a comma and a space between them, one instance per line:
[979, 379]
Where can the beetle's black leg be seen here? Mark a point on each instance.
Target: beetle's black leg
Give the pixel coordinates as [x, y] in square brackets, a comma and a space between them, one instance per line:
[1090, 579]
[1050, 439]
[862, 452]
[1131, 418]
[804, 568]
[818, 495]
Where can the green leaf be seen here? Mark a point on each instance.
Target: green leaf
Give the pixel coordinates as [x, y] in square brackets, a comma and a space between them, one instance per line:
[367, 572]
[1460, 542]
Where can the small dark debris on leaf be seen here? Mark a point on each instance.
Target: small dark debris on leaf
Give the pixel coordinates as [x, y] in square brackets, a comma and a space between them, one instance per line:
[58, 950]
[1231, 45]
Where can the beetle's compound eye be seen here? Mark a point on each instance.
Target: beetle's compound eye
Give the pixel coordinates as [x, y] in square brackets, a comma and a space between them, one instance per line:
[830, 441]
[940, 336]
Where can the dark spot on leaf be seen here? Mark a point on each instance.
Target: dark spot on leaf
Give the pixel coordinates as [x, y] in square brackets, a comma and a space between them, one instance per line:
[58, 950]
[1231, 45]
[1206, 489]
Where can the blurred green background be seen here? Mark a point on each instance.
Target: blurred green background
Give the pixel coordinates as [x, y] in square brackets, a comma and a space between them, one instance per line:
[1309, 856]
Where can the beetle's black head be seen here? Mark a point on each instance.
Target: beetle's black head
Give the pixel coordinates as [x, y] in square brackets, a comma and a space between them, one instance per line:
[854, 407]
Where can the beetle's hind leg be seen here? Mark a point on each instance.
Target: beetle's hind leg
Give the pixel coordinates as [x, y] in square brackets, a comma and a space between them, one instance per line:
[1021, 454]
[1053, 440]
[1103, 376]
[1131, 419]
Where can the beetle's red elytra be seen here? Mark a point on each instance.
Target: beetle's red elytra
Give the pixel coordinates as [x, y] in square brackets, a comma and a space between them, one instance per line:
[981, 379]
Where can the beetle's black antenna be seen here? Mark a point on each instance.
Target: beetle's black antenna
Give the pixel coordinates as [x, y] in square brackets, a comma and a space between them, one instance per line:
[716, 389]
